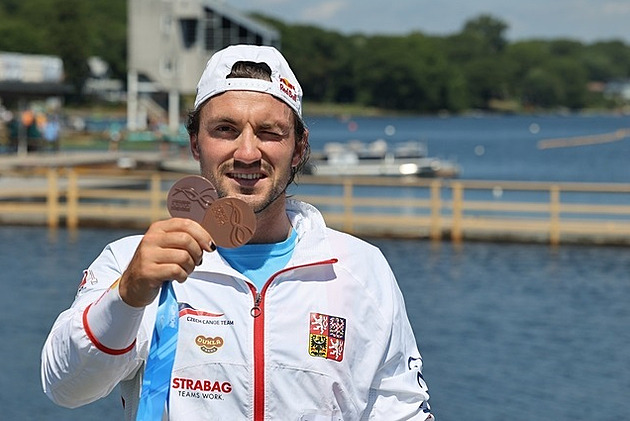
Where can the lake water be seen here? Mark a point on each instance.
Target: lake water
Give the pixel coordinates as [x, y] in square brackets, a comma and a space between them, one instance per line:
[508, 331]
[498, 147]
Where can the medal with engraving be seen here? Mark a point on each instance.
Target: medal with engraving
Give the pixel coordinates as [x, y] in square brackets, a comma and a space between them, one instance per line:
[190, 197]
[230, 221]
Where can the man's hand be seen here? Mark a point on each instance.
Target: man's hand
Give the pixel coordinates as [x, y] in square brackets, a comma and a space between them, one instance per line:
[169, 251]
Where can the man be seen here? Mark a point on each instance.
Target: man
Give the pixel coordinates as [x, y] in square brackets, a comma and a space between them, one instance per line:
[301, 323]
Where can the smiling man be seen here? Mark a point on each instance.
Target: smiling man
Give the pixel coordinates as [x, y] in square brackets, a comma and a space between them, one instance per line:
[301, 323]
[248, 147]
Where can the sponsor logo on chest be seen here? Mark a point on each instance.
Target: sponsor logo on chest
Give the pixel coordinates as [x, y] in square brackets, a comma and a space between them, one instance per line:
[208, 344]
[200, 388]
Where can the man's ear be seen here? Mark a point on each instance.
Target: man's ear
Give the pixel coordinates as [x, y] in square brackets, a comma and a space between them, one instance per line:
[194, 146]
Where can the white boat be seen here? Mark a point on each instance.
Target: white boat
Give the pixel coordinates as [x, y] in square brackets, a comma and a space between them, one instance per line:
[376, 159]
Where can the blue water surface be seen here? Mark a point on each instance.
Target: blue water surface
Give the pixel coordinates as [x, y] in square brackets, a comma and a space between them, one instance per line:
[507, 331]
[491, 147]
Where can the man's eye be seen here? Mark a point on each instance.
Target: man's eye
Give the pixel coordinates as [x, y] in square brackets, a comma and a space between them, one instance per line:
[223, 131]
[270, 136]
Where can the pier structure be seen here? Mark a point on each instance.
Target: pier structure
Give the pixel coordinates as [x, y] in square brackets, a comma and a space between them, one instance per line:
[124, 189]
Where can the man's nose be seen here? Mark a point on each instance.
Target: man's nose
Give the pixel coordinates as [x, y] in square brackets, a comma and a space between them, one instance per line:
[247, 149]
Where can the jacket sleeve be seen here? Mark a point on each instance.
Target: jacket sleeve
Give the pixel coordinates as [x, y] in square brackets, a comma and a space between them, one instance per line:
[399, 391]
[94, 344]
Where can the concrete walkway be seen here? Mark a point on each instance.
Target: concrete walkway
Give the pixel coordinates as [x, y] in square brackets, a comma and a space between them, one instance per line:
[123, 159]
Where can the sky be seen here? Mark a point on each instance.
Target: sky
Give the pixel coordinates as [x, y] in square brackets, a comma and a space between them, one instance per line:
[581, 20]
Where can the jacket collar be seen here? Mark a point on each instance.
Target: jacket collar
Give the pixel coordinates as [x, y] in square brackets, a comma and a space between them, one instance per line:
[312, 243]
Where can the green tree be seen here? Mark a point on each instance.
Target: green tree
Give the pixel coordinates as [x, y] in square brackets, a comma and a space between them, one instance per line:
[600, 67]
[525, 55]
[324, 60]
[108, 33]
[541, 88]
[525, 77]
[413, 72]
[403, 73]
[608, 60]
[70, 39]
[478, 51]
[489, 30]
[565, 47]
[21, 29]
[487, 80]
[572, 80]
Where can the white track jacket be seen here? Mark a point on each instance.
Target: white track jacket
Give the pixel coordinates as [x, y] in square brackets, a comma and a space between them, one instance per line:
[327, 338]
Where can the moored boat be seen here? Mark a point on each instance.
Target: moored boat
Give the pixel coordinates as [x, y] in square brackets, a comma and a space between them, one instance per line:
[378, 159]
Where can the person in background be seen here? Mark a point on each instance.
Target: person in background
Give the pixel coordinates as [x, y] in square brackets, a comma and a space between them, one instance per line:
[301, 323]
[51, 133]
[114, 132]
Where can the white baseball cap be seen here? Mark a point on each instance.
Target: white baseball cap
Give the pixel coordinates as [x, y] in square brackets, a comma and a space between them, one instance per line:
[284, 85]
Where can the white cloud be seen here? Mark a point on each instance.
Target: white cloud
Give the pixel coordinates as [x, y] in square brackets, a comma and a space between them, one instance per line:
[617, 8]
[324, 10]
[263, 3]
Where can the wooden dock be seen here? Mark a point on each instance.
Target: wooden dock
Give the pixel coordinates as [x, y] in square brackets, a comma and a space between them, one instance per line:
[456, 210]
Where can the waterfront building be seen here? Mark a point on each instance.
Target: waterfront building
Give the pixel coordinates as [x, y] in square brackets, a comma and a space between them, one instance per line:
[169, 43]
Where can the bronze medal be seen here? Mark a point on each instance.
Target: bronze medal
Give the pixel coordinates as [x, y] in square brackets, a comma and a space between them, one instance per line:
[230, 222]
[190, 197]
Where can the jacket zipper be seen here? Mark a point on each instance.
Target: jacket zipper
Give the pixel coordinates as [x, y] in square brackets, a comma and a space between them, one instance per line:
[258, 313]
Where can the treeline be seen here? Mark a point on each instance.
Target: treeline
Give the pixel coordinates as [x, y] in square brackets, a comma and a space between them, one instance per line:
[476, 68]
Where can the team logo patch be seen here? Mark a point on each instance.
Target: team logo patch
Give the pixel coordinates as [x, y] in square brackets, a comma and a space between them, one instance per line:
[186, 309]
[327, 336]
[193, 315]
[88, 278]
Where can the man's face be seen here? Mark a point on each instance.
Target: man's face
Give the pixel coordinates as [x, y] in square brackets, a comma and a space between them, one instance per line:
[246, 147]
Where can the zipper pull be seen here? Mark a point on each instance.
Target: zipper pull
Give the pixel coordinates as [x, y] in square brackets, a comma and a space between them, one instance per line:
[256, 311]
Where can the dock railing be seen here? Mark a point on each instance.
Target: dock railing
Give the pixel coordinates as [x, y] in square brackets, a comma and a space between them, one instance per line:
[438, 209]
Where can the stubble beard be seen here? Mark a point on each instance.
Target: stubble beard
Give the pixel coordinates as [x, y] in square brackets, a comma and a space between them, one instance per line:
[277, 191]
